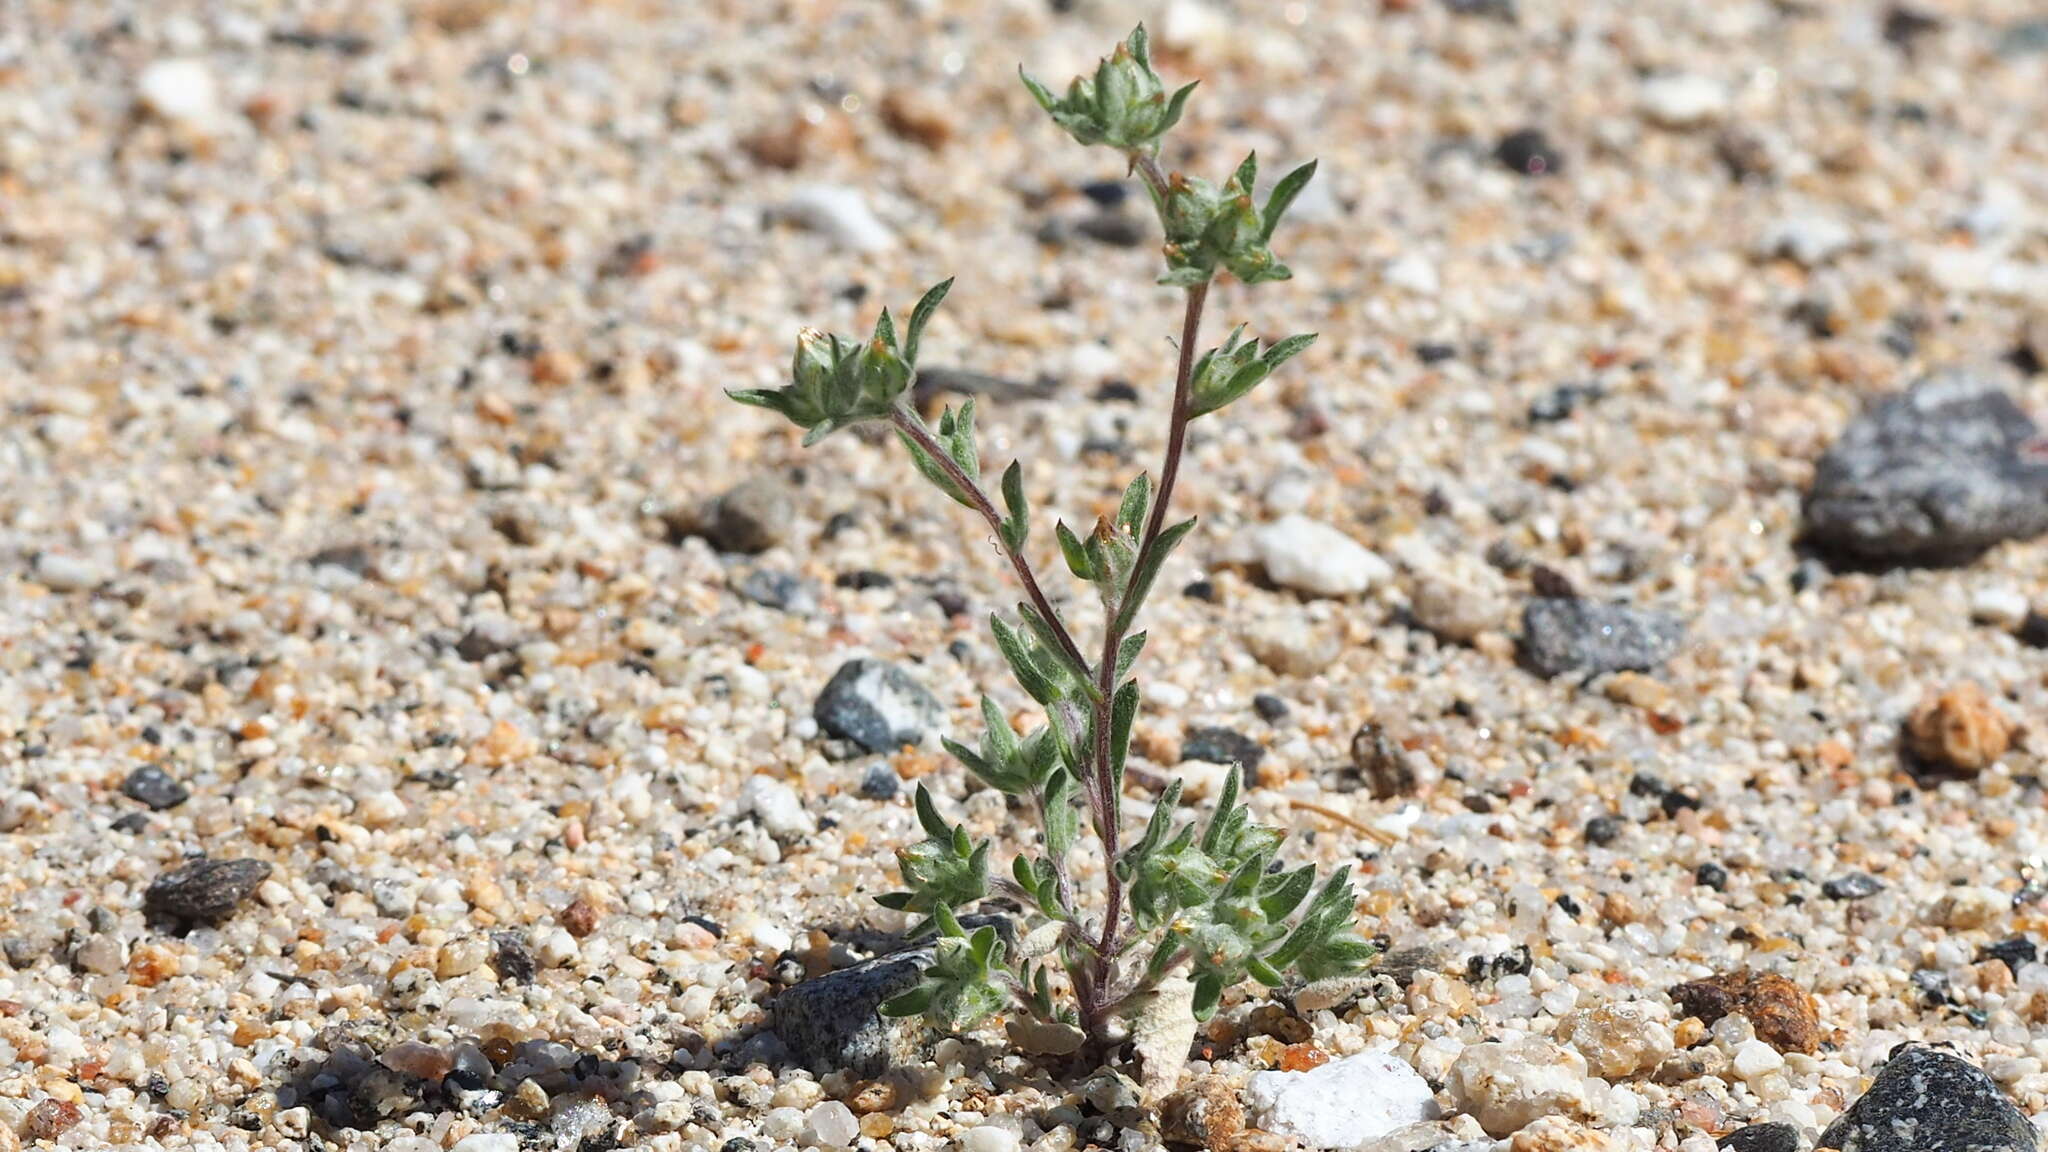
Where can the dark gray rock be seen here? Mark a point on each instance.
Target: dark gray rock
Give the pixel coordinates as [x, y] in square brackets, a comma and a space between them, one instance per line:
[1935, 474]
[1762, 1138]
[155, 788]
[1222, 746]
[751, 517]
[880, 782]
[1926, 1100]
[833, 1022]
[1579, 635]
[202, 893]
[876, 705]
[782, 591]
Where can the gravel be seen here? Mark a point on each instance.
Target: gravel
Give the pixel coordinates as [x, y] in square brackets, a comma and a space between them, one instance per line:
[154, 788]
[202, 893]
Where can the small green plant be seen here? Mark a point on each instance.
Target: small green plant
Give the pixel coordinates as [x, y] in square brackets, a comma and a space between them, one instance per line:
[1204, 899]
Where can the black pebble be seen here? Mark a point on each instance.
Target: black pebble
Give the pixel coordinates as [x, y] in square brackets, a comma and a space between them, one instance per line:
[2034, 631]
[1434, 353]
[1203, 590]
[1603, 830]
[511, 959]
[155, 788]
[863, 579]
[1711, 875]
[2014, 950]
[202, 893]
[1108, 193]
[880, 782]
[1529, 152]
[1270, 708]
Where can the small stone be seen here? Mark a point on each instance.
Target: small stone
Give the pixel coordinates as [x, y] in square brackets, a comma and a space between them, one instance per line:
[1291, 645]
[1682, 101]
[1458, 604]
[1528, 152]
[1580, 635]
[1044, 1037]
[2011, 952]
[1272, 709]
[202, 893]
[919, 116]
[1958, 730]
[1925, 1100]
[989, 1138]
[1762, 1138]
[557, 949]
[1216, 745]
[60, 573]
[1311, 557]
[1343, 1103]
[2000, 607]
[1509, 1087]
[1853, 886]
[1560, 402]
[782, 591]
[487, 638]
[1618, 1040]
[1754, 1059]
[1205, 1114]
[880, 782]
[777, 806]
[1966, 909]
[155, 788]
[511, 959]
[50, 1119]
[1386, 768]
[487, 1142]
[831, 1125]
[751, 517]
[180, 91]
[877, 706]
[1809, 240]
[840, 213]
[1936, 473]
[417, 1059]
[1781, 1013]
[581, 917]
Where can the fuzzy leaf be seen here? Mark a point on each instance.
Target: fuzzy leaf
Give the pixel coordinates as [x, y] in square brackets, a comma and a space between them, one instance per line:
[1127, 653]
[1137, 500]
[921, 315]
[1062, 819]
[1123, 711]
[1035, 682]
[1284, 193]
[1017, 527]
[1076, 553]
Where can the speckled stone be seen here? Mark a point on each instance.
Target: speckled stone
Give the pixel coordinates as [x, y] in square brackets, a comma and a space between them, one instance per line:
[1581, 635]
[1926, 1100]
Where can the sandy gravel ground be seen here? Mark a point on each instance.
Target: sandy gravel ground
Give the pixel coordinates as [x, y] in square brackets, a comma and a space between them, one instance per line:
[362, 370]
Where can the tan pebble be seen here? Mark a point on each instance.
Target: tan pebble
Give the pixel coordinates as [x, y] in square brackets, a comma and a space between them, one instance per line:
[1645, 692]
[505, 744]
[1959, 729]
[918, 115]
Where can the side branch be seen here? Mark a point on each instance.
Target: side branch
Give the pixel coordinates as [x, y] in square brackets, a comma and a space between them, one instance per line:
[908, 423]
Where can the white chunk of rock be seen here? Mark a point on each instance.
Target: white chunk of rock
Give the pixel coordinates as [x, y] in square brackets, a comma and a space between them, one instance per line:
[181, 91]
[1343, 1103]
[1312, 557]
[839, 213]
[1682, 100]
[777, 806]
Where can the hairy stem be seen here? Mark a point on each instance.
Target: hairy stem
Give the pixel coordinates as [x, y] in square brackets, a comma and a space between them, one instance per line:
[1105, 784]
[910, 425]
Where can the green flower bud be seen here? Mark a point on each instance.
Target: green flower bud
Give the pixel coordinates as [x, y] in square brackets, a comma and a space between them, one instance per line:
[836, 382]
[1124, 105]
[1209, 227]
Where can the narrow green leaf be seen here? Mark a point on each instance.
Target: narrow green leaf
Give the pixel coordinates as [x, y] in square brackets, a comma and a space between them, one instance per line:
[1130, 513]
[1284, 192]
[1226, 807]
[885, 331]
[1282, 899]
[895, 901]
[1127, 653]
[1287, 349]
[1208, 994]
[1034, 682]
[1062, 819]
[1247, 174]
[1052, 651]
[922, 314]
[929, 467]
[1175, 106]
[960, 444]
[1123, 711]
[1001, 738]
[1075, 552]
[1017, 528]
[1263, 972]
[1140, 44]
[928, 816]
[912, 1003]
[994, 774]
[1039, 92]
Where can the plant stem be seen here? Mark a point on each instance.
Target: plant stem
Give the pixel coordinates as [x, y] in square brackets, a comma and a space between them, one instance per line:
[1110, 813]
[910, 425]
